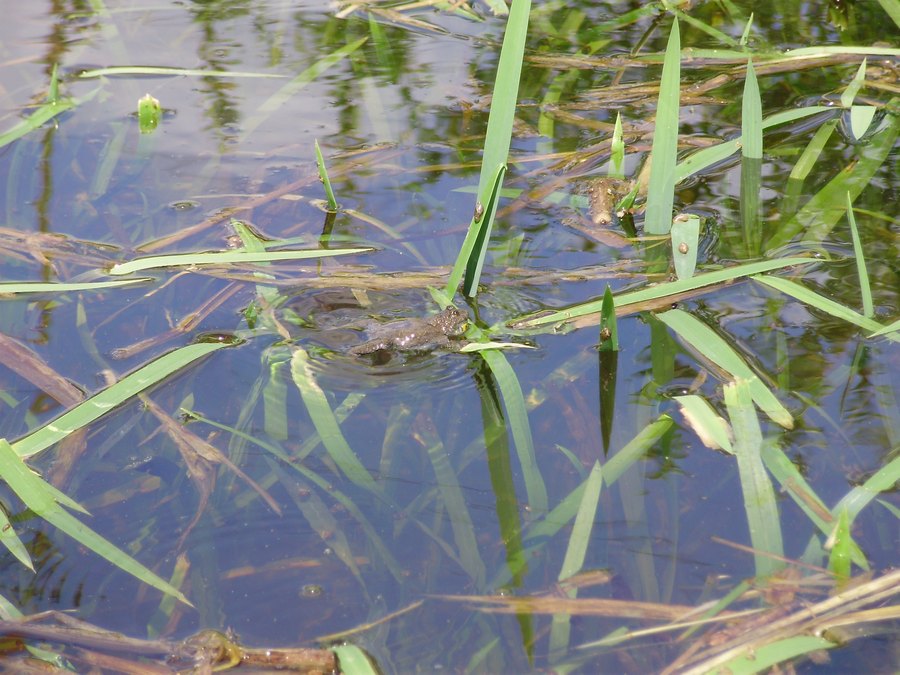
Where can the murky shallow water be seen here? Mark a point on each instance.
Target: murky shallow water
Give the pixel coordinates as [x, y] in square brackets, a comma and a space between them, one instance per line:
[401, 131]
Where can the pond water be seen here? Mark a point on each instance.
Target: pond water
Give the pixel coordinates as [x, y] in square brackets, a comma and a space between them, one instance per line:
[455, 510]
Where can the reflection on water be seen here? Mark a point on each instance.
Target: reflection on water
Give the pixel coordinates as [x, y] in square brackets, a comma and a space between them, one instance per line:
[465, 471]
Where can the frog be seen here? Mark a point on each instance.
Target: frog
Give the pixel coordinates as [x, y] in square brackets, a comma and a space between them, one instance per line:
[603, 196]
[416, 335]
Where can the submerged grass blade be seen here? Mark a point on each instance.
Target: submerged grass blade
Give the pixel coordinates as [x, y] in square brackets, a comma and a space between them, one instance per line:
[35, 493]
[576, 552]
[499, 131]
[521, 431]
[709, 426]
[818, 216]
[759, 496]
[298, 83]
[864, 287]
[545, 529]
[584, 521]
[54, 106]
[702, 159]
[326, 425]
[664, 154]
[822, 303]
[111, 397]
[8, 536]
[457, 509]
[711, 346]
[226, 258]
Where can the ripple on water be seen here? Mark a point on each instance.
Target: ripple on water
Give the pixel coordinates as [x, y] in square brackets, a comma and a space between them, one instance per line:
[389, 370]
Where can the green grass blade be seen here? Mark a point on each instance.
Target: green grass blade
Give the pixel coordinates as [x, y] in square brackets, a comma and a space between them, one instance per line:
[861, 269]
[634, 451]
[617, 151]
[664, 154]
[709, 426]
[609, 327]
[225, 258]
[710, 345]
[890, 328]
[323, 175]
[457, 509]
[326, 425]
[15, 287]
[818, 216]
[111, 397]
[517, 415]
[34, 493]
[542, 531]
[685, 241]
[499, 130]
[8, 536]
[822, 303]
[758, 659]
[576, 552]
[295, 461]
[354, 661]
[55, 105]
[702, 159]
[759, 496]
[883, 480]
[658, 291]
[751, 116]
[859, 79]
[483, 216]
[580, 536]
[892, 7]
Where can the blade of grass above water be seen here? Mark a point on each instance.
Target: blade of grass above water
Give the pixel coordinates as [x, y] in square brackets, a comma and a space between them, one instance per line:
[226, 258]
[111, 397]
[10, 539]
[710, 345]
[658, 291]
[664, 154]
[41, 498]
[759, 497]
[499, 135]
[702, 159]
[13, 287]
[521, 431]
[751, 116]
[52, 108]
